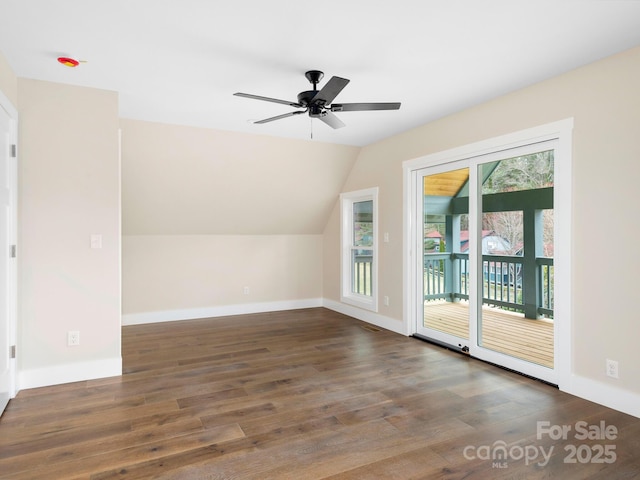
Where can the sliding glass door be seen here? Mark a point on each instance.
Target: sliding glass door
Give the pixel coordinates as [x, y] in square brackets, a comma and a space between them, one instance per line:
[485, 246]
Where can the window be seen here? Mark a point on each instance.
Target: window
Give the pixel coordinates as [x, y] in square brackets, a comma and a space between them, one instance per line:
[359, 233]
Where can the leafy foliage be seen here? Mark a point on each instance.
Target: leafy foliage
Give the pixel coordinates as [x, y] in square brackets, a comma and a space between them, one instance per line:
[526, 172]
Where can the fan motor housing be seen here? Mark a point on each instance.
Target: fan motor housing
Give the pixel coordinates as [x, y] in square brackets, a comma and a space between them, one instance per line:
[305, 98]
[316, 111]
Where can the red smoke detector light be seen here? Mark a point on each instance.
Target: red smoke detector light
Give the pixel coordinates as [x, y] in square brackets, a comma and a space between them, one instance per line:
[68, 62]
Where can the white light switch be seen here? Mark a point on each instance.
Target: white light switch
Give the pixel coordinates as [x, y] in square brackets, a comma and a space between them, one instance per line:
[385, 237]
[96, 240]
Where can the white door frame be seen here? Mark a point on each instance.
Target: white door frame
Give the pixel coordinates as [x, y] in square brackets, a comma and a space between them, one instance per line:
[560, 131]
[12, 277]
[418, 327]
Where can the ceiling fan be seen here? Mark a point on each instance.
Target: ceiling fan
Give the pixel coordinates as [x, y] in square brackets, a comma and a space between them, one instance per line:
[318, 102]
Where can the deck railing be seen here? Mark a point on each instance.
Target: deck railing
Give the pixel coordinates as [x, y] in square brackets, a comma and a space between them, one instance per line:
[435, 274]
[502, 285]
[362, 276]
[446, 276]
[545, 286]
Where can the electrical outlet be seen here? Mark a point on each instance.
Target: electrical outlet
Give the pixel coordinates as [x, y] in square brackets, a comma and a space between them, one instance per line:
[73, 338]
[246, 290]
[612, 368]
[96, 240]
[385, 300]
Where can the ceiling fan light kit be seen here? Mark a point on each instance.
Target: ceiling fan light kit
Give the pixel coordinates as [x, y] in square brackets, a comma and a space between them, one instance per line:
[317, 103]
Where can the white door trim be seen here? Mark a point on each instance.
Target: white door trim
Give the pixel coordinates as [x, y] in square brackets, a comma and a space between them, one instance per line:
[12, 235]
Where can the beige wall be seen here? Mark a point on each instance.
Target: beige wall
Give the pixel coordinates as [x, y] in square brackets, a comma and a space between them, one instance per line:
[603, 98]
[207, 212]
[182, 272]
[68, 189]
[8, 81]
[180, 180]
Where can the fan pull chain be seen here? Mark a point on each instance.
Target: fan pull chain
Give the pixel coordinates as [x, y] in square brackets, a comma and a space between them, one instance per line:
[311, 128]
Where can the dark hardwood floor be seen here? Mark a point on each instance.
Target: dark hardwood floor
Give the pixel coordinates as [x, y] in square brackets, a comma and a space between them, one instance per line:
[307, 394]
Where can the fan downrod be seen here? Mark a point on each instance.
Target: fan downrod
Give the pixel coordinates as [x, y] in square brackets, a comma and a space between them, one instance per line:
[314, 77]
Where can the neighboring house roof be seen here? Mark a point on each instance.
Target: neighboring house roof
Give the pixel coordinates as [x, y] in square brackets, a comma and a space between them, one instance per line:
[434, 234]
[464, 241]
[464, 234]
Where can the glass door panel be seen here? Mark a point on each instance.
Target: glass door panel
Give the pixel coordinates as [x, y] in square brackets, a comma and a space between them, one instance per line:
[515, 254]
[444, 256]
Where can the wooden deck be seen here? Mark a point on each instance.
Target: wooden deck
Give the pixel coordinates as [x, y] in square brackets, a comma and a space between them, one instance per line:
[504, 332]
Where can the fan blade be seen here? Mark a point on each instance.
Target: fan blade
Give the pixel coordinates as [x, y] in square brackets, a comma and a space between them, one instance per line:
[359, 107]
[268, 99]
[331, 120]
[290, 114]
[330, 91]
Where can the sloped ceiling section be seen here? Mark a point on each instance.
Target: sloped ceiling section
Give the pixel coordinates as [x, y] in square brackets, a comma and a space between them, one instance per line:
[179, 180]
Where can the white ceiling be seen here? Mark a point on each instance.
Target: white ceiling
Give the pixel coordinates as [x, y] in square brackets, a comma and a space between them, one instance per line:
[180, 61]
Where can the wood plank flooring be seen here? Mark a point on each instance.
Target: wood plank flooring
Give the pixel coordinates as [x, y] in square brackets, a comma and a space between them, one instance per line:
[307, 394]
[502, 331]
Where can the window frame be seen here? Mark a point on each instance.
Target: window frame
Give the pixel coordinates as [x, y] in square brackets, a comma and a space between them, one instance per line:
[347, 201]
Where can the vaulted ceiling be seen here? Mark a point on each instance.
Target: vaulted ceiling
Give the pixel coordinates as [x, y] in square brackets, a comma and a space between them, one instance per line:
[180, 62]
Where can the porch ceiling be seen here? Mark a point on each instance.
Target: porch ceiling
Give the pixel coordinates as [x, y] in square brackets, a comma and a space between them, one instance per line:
[446, 184]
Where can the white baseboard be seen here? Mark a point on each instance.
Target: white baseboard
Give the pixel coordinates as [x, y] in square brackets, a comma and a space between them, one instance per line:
[604, 394]
[373, 318]
[67, 373]
[219, 311]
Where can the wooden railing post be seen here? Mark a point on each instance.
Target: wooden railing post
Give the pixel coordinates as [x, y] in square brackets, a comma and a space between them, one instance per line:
[533, 247]
[449, 264]
[456, 285]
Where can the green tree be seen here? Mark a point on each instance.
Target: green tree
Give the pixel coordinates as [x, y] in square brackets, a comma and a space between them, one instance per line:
[526, 172]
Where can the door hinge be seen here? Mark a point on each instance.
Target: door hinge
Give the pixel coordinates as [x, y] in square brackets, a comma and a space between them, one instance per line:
[14, 150]
[12, 351]
[13, 251]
